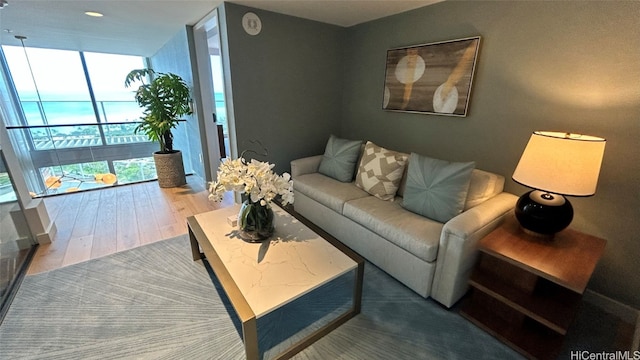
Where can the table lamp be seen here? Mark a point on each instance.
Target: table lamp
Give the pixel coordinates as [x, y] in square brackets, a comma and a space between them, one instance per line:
[555, 164]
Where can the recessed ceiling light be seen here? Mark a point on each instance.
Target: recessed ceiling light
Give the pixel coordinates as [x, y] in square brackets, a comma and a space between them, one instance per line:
[93, 13]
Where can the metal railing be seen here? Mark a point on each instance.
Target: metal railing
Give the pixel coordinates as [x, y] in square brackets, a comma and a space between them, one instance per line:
[69, 124]
[70, 150]
[51, 137]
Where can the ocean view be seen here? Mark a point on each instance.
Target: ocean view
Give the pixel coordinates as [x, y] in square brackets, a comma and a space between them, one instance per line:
[65, 124]
[80, 112]
[72, 112]
[85, 108]
[67, 115]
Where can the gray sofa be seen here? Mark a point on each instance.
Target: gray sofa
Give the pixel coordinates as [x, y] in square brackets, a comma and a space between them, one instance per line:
[433, 259]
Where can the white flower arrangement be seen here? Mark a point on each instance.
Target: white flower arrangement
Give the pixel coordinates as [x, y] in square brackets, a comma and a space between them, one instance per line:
[255, 179]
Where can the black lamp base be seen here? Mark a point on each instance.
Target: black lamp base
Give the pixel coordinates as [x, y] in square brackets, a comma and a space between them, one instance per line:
[543, 213]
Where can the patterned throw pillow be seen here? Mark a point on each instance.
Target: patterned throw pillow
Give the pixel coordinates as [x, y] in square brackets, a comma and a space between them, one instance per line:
[380, 171]
[339, 159]
[436, 188]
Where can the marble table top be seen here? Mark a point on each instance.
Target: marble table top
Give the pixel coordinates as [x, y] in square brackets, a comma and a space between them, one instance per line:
[292, 263]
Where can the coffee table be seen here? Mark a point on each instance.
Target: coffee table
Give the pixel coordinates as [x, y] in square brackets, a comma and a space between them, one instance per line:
[261, 278]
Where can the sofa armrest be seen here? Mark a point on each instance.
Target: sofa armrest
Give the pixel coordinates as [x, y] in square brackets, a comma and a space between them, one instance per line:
[308, 165]
[458, 249]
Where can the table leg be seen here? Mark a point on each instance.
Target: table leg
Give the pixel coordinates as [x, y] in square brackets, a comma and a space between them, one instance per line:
[195, 247]
[250, 337]
[357, 291]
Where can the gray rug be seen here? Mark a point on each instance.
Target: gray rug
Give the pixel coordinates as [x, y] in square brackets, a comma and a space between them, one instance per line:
[154, 302]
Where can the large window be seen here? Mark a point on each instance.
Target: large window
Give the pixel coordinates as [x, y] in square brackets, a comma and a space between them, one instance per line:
[57, 93]
[78, 117]
[107, 73]
[55, 87]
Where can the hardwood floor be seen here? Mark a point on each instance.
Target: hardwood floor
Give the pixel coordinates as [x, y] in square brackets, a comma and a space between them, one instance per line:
[96, 223]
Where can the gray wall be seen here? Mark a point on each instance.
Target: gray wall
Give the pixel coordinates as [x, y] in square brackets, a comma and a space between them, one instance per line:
[173, 57]
[286, 83]
[565, 66]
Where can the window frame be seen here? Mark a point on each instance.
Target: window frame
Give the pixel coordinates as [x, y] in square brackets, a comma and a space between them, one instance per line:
[59, 157]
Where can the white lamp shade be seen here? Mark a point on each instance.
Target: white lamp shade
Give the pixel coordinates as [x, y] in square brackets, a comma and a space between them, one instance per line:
[561, 163]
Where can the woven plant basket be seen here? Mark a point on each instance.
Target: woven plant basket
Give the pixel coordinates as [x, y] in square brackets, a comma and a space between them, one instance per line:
[170, 169]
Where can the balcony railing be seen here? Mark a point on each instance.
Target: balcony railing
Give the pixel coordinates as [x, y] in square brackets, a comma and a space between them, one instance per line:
[51, 137]
[77, 153]
[67, 140]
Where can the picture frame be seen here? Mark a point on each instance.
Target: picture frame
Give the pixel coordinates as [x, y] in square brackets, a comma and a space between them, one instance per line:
[432, 78]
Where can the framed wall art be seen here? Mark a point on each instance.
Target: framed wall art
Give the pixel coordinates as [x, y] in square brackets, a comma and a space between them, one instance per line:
[432, 78]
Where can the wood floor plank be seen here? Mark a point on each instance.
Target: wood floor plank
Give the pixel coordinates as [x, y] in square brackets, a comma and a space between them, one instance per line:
[200, 202]
[88, 211]
[181, 211]
[101, 222]
[45, 259]
[50, 256]
[104, 234]
[160, 201]
[170, 231]
[79, 250]
[54, 204]
[148, 229]
[127, 229]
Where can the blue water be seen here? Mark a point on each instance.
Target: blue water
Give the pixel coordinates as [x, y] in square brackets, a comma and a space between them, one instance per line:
[80, 112]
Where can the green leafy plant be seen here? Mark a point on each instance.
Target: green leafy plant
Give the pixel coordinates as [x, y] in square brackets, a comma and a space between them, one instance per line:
[165, 99]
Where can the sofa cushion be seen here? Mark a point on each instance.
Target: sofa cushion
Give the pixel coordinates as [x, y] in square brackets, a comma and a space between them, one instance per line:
[436, 188]
[339, 159]
[482, 187]
[414, 233]
[327, 191]
[380, 171]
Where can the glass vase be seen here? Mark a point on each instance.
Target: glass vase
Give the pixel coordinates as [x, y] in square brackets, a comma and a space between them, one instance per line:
[255, 221]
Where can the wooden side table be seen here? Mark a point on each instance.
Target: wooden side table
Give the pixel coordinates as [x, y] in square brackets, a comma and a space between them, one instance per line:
[526, 289]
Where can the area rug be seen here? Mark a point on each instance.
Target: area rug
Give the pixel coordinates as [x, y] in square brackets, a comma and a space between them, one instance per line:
[155, 302]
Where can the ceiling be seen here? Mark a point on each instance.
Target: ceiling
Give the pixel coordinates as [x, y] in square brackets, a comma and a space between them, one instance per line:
[141, 27]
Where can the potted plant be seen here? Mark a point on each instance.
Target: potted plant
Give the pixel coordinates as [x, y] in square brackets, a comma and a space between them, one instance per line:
[165, 99]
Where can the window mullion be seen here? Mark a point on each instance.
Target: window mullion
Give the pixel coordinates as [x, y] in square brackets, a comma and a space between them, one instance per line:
[94, 103]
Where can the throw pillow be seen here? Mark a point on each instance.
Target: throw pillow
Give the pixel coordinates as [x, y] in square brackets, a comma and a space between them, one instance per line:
[436, 188]
[380, 171]
[339, 159]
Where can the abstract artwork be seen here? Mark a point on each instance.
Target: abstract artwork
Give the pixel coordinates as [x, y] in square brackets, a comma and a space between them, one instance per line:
[431, 78]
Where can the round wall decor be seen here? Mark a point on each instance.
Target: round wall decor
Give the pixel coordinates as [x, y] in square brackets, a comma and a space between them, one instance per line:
[251, 23]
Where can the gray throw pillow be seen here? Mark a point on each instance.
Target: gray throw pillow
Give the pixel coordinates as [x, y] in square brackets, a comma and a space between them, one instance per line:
[436, 188]
[339, 159]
